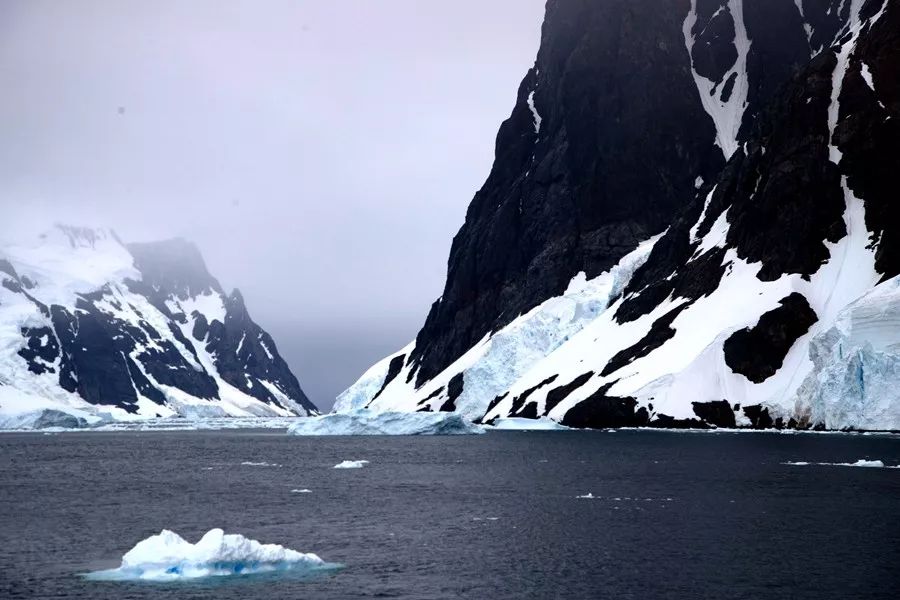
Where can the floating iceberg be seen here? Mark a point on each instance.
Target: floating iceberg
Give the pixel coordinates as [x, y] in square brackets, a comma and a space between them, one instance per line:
[520, 424]
[370, 422]
[351, 464]
[875, 464]
[169, 557]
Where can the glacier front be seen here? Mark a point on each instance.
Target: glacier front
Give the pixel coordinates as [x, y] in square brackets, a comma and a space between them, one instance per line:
[369, 422]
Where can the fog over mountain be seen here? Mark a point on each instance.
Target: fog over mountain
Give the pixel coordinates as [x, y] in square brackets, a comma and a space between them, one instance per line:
[305, 148]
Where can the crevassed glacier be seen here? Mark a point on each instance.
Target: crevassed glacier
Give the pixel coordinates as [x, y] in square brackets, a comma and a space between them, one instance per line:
[856, 365]
[370, 422]
[169, 557]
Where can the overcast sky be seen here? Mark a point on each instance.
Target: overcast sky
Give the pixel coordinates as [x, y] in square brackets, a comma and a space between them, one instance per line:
[320, 154]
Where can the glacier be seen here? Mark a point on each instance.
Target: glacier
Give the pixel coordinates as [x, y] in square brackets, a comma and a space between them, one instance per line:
[856, 365]
[168, 557]
[371, 422]
[493, 365]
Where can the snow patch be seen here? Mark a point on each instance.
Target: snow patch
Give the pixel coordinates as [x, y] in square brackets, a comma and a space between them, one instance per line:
[534, 113]
[727, 115]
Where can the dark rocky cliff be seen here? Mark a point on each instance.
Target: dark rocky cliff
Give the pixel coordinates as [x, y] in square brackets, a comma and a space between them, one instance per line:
[606, 144]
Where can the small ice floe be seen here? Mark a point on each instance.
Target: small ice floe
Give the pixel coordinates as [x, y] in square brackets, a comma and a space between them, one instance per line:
[351, 464]
[588, 496]
[303, 491]
[875, 464]
[485, 518]
[248, 463]
[169, 557]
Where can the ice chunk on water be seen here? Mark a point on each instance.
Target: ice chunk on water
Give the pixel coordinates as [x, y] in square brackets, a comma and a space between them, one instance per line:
[351, 464]
[303, 491]
[169, 557]
[875, 464]
[370, 422]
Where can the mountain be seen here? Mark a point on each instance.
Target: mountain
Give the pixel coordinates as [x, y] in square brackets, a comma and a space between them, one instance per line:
[90, 325]
[688, 223]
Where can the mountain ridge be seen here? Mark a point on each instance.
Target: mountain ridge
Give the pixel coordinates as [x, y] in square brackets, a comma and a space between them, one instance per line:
[132, 330]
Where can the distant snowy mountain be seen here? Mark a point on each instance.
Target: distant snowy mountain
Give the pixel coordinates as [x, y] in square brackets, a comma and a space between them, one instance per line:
[89, 325]
[690, 222]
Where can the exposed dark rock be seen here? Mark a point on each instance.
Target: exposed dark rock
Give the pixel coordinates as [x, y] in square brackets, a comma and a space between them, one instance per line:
[425, 403]
[759, 417]
[454, 390]
[519, 401]
[41, 350]
[668, 422]
[599, 411]
[557, 394]
[553, 203]
[394, 368]
[758, 352]
[868, 130]
[717, 412]
[660, 332]
[246, 357]
[492, 405]
[714, 51]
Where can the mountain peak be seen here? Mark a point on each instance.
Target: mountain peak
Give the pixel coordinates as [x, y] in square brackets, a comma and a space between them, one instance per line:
[175, 265]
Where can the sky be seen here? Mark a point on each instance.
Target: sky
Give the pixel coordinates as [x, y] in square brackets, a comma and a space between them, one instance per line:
[320, 154]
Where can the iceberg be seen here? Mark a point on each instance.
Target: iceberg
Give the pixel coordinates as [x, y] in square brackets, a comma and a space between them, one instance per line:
[368, 422]
[872, 464]
[169, 557]
[351, 464]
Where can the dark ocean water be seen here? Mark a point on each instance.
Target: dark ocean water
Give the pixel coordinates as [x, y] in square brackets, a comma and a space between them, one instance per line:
[485, 517]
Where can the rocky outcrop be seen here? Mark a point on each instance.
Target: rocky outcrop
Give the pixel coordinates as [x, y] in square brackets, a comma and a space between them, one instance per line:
[753, 159]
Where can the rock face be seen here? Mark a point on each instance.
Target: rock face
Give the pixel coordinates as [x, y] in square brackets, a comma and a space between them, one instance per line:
[738, 156]
[139, 330]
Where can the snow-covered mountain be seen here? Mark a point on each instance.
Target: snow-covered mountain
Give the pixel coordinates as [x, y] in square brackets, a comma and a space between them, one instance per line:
[91, 326]
[690, 221]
